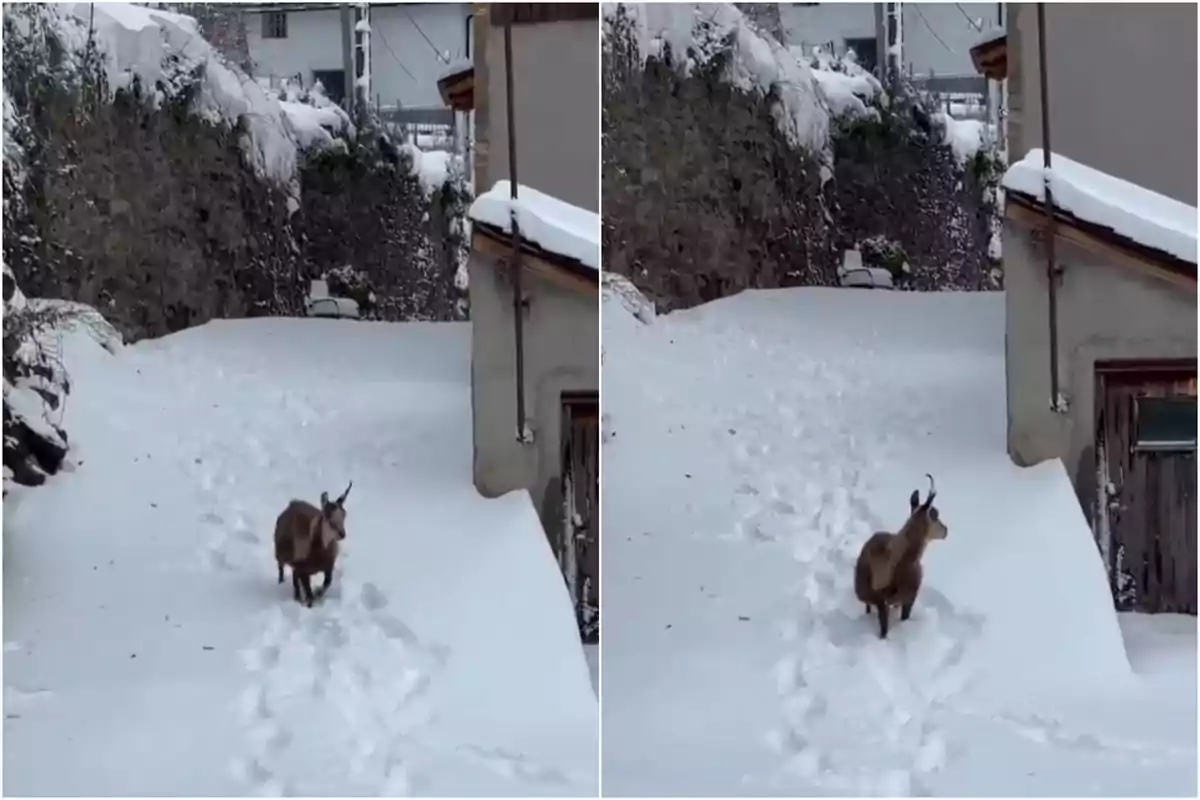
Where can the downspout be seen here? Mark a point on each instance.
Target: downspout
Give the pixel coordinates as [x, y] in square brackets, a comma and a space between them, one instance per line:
[518, 295]
[1048, 207]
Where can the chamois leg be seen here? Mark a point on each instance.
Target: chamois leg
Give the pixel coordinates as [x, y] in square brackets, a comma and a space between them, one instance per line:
[868, 605]
[306, 581]
[882, 609]
[280, 571]
[295, 584]
[325, 583]
[906, 609]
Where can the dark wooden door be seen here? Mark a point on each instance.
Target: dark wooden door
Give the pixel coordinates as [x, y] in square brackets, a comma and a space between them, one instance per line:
[579, 548]
[1147, 480]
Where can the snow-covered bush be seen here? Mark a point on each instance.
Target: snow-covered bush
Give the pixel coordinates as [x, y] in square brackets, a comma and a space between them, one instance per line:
[158, 183]
[731, 161]
[154, 182]
[36, 383]
[394, 212]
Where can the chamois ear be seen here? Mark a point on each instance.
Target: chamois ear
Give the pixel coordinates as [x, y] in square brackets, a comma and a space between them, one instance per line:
[914, 500]
[324, 499]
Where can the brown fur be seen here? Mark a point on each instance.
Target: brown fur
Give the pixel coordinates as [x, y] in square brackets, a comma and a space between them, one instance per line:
[888, 572]
[306, 538]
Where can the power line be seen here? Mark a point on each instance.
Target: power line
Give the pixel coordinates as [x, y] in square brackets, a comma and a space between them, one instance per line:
[432, 46]
[978, 28]
[929, 27]
[395, 58]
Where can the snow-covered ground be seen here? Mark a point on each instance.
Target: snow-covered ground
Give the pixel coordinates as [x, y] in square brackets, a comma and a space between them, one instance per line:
[149, 650]
[752, 445]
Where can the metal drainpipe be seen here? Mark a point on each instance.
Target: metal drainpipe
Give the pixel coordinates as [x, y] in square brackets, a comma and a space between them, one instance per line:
[1048, 207]
[518, 304]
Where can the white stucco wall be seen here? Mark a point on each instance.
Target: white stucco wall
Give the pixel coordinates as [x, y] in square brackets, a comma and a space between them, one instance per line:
[404, 66]
[446, 26]
[923, 25]
[314, 41]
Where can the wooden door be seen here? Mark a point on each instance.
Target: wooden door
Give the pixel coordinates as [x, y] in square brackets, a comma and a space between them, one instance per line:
[1146, 473]
[579, 547]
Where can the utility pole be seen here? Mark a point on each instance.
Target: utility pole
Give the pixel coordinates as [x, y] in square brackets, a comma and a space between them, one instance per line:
[880, 45]
[347, 59]
[362, 61]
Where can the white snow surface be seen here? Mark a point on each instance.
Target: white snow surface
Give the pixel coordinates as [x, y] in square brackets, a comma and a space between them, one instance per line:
[758, 63]
[556, 226]
[845, 86]
[432, 167]
[149, 649]
[316, 127]
[966, 137]
[751, 446]
[1133, 211]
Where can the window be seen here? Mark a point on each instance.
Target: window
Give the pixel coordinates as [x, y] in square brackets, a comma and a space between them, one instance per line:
[865, 50]
[1165, 423]
[274, 25]
[333, 81]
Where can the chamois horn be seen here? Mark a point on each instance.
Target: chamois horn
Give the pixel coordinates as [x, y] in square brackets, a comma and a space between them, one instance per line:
[932, 491]
[342, 499]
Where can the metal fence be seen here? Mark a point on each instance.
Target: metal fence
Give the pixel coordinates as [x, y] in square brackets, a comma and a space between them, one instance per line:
[961, 96]
[430, 128]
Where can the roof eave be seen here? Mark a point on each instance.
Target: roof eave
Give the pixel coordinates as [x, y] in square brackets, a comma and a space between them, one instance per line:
[581, 275]
[1029, 210]
[991, 58]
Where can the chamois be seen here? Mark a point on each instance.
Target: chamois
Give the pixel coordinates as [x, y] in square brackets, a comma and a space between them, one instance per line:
[888, 572]
[306, 538]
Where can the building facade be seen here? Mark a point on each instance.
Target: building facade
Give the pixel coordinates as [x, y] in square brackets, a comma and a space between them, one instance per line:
[412, 44]
[1123, 419]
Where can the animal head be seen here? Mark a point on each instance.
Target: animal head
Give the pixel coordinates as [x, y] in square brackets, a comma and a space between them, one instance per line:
[924, 517]
[333, 514]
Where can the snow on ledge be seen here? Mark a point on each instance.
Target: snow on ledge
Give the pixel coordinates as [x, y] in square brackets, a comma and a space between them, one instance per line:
[1132, 211]
[555, 226]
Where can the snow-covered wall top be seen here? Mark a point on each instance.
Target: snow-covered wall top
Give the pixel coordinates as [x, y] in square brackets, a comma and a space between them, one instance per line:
[161, 48]
[158, 46]
[1144, 216]
[555, 226]
[696, 32]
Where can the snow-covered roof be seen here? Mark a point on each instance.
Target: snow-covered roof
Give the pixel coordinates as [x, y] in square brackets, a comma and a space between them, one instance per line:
[989, 35]
[555, 226]
[1143, 216]
[456, 67]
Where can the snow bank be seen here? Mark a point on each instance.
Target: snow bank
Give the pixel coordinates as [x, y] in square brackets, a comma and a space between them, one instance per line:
[1145, 216]
[629, 296]
[557, 227]
[695, 32]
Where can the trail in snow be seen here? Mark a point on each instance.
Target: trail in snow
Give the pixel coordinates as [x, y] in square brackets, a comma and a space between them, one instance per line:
[422, 671]
[807, 457]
